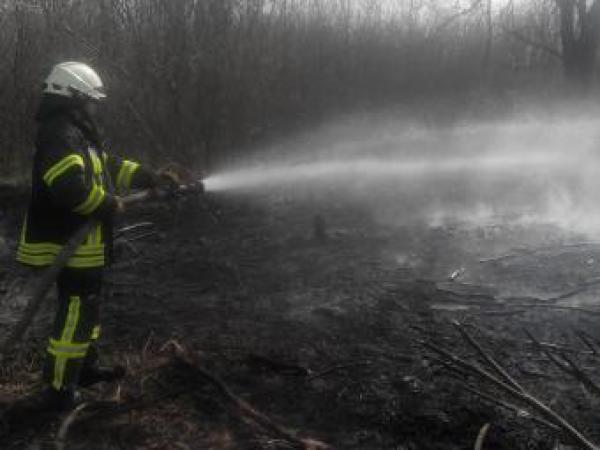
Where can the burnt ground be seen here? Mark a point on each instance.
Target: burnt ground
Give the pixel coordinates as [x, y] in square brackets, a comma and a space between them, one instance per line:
[313, 314]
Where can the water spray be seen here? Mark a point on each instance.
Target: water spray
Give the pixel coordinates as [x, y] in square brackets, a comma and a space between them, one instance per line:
[375, 169]
[534, 171]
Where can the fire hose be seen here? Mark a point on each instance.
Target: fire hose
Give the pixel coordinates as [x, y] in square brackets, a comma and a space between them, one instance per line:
[49, 275]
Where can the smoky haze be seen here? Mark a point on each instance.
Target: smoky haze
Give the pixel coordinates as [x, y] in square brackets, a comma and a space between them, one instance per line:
[534, 168]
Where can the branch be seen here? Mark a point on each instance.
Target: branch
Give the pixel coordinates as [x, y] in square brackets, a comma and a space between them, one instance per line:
[481, 436]
[491, 361]
[519, 412]
[570, 368]
[61, 436]
[539, 45]
[585, 338]
[476, 4]
[190, 359]
[527, 398]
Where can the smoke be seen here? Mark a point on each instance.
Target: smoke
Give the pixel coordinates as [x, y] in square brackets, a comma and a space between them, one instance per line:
[530, 169]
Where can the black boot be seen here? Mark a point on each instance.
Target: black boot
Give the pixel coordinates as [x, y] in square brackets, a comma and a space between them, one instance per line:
[51, 400]
[90, 375]
[65, 399]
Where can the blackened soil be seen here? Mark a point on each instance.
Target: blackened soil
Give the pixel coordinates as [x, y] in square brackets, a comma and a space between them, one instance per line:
[312, 314]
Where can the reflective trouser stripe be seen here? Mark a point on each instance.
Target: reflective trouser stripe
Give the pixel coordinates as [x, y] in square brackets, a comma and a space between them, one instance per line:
[65, 349]
[95, 333]
[94, 239]
[74, 262]
[43, 254]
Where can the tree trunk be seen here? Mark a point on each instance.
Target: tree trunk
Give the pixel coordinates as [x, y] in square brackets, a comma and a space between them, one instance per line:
[579, 32]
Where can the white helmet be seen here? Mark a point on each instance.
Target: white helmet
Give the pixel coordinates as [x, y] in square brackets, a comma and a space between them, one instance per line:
[69, 78]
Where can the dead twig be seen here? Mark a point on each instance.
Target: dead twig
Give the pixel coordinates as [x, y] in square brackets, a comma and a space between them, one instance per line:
[519, 412]
[564, 308]
[134, 227]
[585, 338]
[499, 313]
[190, 360]
[570, 367]
[481, 437]
[279, 367]
[548, 345]
[61, 436]
[582, 376]
[487, 357]
[141, 236]
[333, 369]
[524, 396]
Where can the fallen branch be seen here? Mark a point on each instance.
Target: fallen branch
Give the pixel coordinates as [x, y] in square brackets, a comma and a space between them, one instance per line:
[549, 303]
[488, 358]
[570, 368]
[519, 412]
[481, 437]
[334, 369]
[279, 367]
[134, 227]
[498, 313]
[531, 251]
[191, 360]
[524, 396]
[585, 338]
[61, 436]
[582, 376]
[549, 345]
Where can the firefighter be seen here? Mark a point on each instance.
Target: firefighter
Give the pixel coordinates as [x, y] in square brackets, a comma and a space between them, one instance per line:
[74, 180]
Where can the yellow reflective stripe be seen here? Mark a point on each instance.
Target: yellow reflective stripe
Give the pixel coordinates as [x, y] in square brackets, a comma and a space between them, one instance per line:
[92, 202]
[68, 346]
[66, 338]
[74, 262]
[95, 236]
[35, 260]
[125, 176]
[97, 165]
[67, 349]
[95, 333]
[44, 253]
[98, 235]
[86, 263]
[72, 319]
[65, 355]
[61, 167]
[40, 248]
[60, 363]
[82, 250]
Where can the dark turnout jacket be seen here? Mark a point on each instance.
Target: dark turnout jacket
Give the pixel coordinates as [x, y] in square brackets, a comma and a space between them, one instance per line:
[73, 181]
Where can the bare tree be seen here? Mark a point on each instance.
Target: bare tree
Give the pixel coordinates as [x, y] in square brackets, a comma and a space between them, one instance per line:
[580, 37]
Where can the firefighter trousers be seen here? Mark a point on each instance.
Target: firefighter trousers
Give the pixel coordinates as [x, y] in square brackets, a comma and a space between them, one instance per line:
[71, 346]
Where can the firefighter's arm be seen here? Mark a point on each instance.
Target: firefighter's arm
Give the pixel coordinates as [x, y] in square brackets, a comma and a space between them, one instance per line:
[127, 175]
[63, 173]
